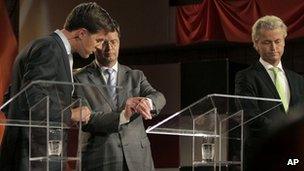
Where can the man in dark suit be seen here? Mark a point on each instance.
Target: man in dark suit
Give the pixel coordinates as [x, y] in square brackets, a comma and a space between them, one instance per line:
[117, 138]
[49, 58]
[269, 79]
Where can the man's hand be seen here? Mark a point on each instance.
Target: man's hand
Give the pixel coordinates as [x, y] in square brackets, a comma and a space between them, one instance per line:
[131, 104]
[85, 114]
[143, 108]
[138, 105]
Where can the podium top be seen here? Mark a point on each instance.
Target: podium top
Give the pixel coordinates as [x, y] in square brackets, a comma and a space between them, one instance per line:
[49, 103]
[204, 117]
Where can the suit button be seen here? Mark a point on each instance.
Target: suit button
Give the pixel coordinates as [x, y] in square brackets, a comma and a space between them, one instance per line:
[119, 145]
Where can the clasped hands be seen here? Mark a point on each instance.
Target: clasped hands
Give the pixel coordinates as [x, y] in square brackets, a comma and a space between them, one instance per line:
[134, 105]
[138, 105]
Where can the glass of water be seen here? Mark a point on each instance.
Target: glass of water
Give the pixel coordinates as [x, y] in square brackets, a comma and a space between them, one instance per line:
[55, 142]
[208, 150]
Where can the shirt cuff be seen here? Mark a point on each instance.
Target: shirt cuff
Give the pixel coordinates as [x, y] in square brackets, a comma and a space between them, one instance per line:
[150, 103]
[123, 119]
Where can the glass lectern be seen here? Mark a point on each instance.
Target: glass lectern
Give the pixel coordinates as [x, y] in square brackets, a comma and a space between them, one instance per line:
[41, 115]
[214, 126]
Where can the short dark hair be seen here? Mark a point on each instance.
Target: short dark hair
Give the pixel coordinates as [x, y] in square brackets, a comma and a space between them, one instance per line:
[89, 16]
[116, 28]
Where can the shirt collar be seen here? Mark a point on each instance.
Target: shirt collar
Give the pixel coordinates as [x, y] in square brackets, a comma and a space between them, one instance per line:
[65, 41]
[267, 65]
[103, 68]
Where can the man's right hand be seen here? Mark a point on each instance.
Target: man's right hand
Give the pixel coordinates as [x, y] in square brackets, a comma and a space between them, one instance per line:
[137, 105]
[85, 114]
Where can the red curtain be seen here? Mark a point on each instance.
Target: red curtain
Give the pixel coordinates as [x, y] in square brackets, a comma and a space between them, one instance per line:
[231, 20]
[8, 51]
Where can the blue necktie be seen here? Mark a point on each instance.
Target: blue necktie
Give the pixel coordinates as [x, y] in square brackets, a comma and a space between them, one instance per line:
[111, 84]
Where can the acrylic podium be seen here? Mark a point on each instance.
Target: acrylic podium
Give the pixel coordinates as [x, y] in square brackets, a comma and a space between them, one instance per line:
[41, 114]
[214, 126]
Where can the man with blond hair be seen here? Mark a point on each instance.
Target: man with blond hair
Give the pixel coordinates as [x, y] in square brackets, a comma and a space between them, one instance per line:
[268, 78]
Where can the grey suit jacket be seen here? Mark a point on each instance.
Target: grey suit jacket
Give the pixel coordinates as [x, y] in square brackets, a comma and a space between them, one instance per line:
[109, 143]
[42, 59]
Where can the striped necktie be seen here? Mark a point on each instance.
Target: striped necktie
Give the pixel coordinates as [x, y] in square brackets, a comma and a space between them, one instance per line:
[111, 84]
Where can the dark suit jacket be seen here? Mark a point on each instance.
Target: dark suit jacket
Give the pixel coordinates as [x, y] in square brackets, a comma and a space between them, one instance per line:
[109, 143]
[256, 82]
[282, 146]
[42, 59]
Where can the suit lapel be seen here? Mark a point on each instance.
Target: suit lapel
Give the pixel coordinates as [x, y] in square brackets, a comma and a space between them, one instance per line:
[269, 83]
[267, 80]
[291, 84]
[64, 56]
[121, 83]
[95, 77]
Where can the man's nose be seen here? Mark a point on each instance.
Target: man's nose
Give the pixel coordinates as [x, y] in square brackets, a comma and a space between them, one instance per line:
[99, 46]
[273, 46]
[106, 46]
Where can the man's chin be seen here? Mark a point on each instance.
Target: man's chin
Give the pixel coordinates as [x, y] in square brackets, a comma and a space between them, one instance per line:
[110, 59]
[85, 56]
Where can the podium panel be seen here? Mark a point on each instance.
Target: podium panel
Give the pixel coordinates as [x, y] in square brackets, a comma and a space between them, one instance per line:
[215, 124]
[39, 125]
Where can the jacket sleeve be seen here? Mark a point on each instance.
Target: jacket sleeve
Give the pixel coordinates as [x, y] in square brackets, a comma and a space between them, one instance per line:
[146, 90]
[42, 64]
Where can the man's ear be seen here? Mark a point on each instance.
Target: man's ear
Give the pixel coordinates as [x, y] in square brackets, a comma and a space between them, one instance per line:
[255, 45]
[81, 33]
